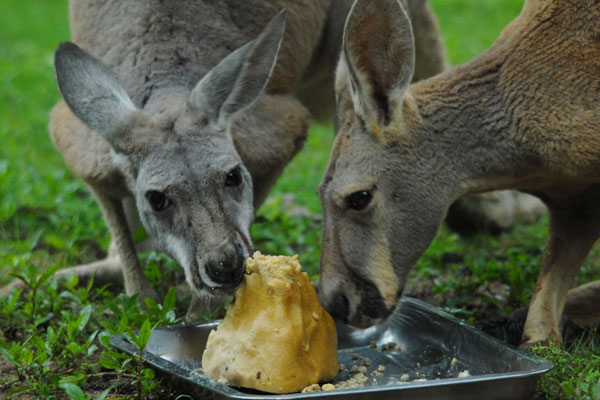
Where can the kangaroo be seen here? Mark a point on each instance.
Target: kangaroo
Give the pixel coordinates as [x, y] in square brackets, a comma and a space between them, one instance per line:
[171, 148]
[525, 115]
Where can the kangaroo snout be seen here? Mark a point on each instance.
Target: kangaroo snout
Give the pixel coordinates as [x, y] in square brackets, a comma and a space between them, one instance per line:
[224, 266]
[359, 306]
[360, 315]
[339, 307]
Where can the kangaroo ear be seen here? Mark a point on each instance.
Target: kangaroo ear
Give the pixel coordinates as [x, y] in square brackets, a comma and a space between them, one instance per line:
[379, 52]
[93, 92]
[239, 78]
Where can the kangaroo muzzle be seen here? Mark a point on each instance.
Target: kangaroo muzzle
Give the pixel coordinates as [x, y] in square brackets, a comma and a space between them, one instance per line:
[225, 266]
[361, 305]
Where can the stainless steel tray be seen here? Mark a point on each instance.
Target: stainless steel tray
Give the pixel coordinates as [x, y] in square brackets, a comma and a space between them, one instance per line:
[429, 344]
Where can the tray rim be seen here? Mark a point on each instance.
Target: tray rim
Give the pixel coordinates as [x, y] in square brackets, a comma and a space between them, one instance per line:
[122, 343]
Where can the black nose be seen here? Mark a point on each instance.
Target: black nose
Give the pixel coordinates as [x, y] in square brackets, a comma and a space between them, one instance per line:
[226, 272]
[339, 308]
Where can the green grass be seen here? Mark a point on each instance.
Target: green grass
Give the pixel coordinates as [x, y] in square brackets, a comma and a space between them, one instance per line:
[470, 27]
[53, 338]
[31, 167]
[576, 374]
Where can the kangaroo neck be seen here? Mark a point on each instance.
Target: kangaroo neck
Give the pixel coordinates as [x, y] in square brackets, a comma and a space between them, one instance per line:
[465, 121]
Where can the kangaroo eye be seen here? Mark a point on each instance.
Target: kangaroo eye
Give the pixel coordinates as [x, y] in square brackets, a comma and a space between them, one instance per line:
[359, 200]
[158, 201]
[234, 177]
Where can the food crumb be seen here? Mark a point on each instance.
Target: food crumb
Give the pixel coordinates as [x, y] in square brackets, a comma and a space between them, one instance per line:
[357, 380]
[328, 386]
[464, 374]
[420, 380]
[223, 381]
[381, 368]
[367, 361]
[373, 344]
[404, 377]
[398, 348]
[453, 362]
[312, 388]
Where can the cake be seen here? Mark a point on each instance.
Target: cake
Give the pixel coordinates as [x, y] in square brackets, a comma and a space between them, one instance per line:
[276, 337]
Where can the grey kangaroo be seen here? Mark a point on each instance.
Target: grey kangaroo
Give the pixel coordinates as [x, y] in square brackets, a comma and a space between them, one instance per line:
[172, 150]
[524, 115]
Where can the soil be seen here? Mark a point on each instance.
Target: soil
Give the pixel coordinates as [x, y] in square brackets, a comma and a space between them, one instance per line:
[488, 318]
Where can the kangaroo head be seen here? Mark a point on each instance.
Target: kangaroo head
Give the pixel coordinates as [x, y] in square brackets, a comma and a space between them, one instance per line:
[380, 203]
[193, 193]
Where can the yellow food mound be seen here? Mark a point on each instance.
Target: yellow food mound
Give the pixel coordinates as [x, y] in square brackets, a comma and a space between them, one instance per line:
[276, 337]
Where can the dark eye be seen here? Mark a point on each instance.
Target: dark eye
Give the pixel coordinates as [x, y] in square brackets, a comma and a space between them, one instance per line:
[234, 177]
[359, 200]
[158, 201]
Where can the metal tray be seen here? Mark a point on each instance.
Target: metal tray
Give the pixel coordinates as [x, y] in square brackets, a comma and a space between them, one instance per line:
[432, 345]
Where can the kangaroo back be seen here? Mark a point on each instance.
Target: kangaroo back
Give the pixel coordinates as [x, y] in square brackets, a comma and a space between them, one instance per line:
[144, 41]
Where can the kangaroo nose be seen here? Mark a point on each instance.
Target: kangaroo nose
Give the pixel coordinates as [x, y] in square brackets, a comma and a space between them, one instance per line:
[226, 272]
[339, 308]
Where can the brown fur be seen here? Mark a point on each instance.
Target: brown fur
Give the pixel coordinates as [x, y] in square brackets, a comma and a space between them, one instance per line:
[523, 115]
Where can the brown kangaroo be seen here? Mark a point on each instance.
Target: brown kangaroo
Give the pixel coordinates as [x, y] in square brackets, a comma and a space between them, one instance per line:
[525, 115]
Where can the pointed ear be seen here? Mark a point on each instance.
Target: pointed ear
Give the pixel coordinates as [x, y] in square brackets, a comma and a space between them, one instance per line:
[239, 78]
[93, 92]
[379, 52]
